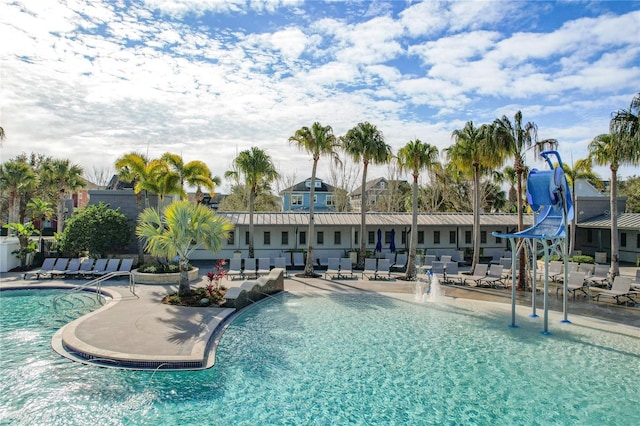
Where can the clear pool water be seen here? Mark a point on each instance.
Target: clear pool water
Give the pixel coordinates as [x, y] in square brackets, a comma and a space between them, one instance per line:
[334, 359]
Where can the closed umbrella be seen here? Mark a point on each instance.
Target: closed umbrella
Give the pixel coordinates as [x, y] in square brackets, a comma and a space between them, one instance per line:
[379, 243]
[392, 246]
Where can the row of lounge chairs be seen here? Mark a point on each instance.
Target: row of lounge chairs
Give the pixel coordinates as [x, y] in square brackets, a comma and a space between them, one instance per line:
[64, 267]
[377, 269]
[339, 268]
[253, 268]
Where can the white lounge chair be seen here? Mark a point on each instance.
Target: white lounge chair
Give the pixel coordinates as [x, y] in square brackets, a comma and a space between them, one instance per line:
[250, 267]
[235, 269]
[72, 268]
[600, 276]
[112, 266]
[383, 270]
[46, 267]
[264, 266]
[494, 276]
[576, 282]
[281, 262]
[479, 272]
[369, 268]
[85, 268]
[59, 267]
[621, 287]
[452, 273]
[346, 268]
[333, 267]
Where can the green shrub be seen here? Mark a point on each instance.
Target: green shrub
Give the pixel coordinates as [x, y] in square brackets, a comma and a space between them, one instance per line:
[581, 259]
[160, 268]
[96, 229]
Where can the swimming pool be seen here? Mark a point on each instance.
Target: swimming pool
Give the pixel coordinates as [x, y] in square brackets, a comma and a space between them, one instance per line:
[335, 358]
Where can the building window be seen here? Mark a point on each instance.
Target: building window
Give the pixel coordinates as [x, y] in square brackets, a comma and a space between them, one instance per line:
[372, 237]
[483, 237]
[303, 237]
[404, 237]
[420, 237]
[329, 200]
[296, 199]
[467, 237]
[337, 238]
[623, 239]
[285, 238]
[387, 237]
[231, 238]
[356, 240]
[246, 238]
[267, 238]
[452, 237]
[320, 239]
[436, 237]
[498, 240]
[638, 241]
[589, 235]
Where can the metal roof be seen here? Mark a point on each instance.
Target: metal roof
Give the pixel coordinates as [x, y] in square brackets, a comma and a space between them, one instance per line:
[626, 221]
[374, 219]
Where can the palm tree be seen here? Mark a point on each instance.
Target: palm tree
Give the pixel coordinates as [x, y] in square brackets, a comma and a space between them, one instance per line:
[620, 147]
[318, 140]
[162, 181]
[195, 173]
[134, 167]
[16, 177]
[365, 142]
[514, 140]
[182, 228]
[415, 156]
[67, 178]
[258, 171]
[41, 210]
[473, 155]
[582, 169]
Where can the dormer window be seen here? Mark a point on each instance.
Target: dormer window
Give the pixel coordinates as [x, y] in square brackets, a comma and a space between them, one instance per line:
[317, 183]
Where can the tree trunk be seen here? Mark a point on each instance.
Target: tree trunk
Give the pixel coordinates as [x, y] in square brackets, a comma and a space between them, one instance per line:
[615, 255]
[362, 254]
[252, 198]
[476, 217]
[60, 225]
[308, 266]
[184, 289]
[411, 261]
[521, 258]
[140, 241]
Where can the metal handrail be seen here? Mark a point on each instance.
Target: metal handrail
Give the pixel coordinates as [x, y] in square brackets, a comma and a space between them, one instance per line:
[97, 282]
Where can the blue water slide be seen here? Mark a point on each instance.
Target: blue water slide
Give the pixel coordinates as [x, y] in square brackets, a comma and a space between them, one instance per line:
[547, 190]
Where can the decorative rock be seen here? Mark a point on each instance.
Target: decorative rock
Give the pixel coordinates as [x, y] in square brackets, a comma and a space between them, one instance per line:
[204, 301]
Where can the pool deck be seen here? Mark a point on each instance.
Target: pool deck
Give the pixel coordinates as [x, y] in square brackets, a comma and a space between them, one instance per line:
[138, 331]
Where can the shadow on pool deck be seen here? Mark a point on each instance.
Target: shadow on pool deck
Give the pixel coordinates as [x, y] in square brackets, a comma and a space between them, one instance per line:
[138, 331]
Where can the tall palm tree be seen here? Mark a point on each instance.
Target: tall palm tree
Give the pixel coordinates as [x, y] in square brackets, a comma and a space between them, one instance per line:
[195, 173]
[258, 170]
[620, 147]
[318, 140]
[473, 155]
[514, 139]
[582, 169]
[415, 156]
[67, 178]
[16, 177]
[134, 167]
[162, 181]
[182, 228]
[365, 143]
[41, 210]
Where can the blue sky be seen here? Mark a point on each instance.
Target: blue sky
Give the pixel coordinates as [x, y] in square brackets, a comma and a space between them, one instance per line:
[92, 80]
